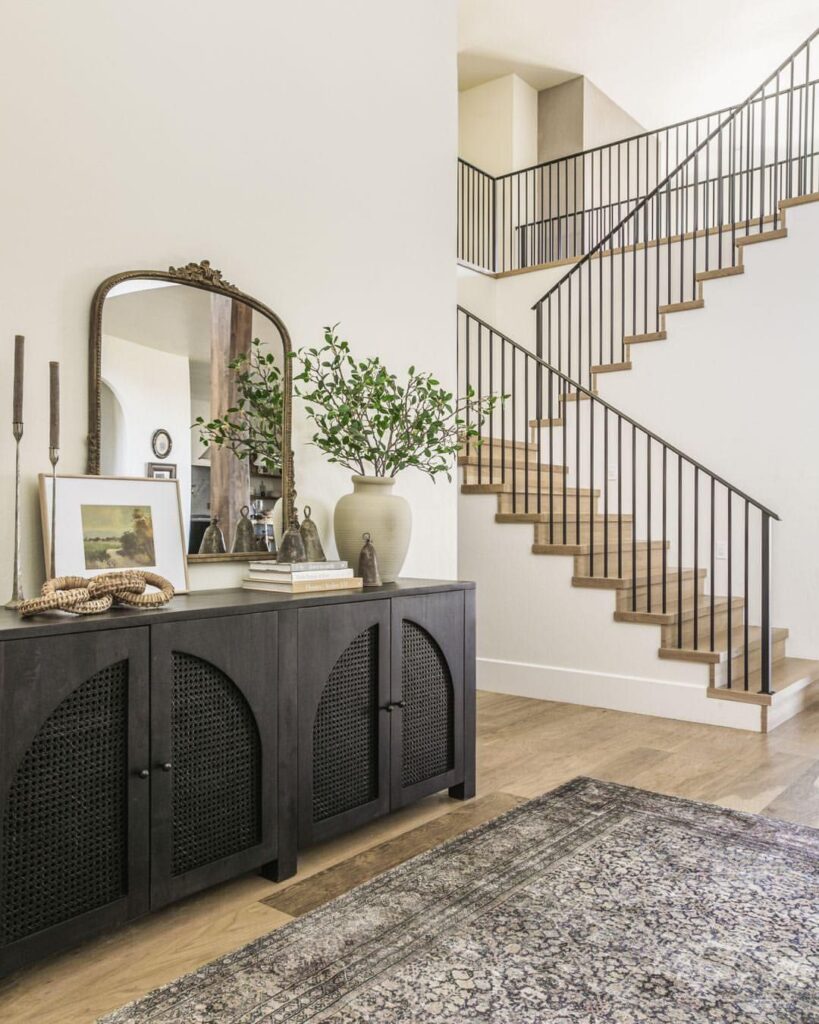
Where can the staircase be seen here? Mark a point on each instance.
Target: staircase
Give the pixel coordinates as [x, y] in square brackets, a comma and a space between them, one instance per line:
[684, 551]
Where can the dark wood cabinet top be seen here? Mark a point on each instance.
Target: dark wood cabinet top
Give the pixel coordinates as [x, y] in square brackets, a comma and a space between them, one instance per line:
[208, 604]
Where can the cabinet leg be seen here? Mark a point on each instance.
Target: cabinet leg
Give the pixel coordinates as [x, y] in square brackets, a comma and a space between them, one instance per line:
[278, 870]
[464, 790]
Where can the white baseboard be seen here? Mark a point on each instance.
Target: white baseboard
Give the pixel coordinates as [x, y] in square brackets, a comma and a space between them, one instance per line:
[687, 702]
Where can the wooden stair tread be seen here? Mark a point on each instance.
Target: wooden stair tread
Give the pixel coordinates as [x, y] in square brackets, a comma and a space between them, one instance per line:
[725, 648]
[762, 236]
[639, 339]
[786, 673]
[542, 424]
[576, 396]
[681, 307]
[611, 367]
[711, 275]
[809, 197]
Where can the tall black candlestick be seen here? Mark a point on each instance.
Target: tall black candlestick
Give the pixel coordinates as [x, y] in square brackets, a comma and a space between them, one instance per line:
[54, 457]
[17, 431]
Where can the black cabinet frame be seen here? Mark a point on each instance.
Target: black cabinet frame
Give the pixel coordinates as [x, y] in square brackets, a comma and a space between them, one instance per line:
[277, 651]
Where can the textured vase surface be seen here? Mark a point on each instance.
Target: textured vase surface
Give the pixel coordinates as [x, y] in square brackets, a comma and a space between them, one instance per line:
[373, 508]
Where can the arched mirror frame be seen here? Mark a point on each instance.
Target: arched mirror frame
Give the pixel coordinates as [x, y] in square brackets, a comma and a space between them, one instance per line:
[206, 278]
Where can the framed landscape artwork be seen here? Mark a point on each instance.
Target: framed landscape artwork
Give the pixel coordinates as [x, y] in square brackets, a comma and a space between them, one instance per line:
[109, 523]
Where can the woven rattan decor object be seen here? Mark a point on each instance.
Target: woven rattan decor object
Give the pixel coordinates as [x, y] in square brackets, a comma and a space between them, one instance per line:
[82, 596]
[217, 766]
[345, 731]
[65, 823]
[428, 747]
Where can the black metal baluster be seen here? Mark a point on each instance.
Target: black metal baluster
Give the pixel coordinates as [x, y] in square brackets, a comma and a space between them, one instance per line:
[713, 577]
[746, 609]
[730, 590]
[679, 550]
[591, 481]
[491, 411]
[696, 557]
[503, 410]
[605, 492]
[480, 399]
[551, 464]
[648, 523]
[766, 653]
[619, 496]
[514, 434]
[665, 531]
[526, 433]
[633, 518]
[577, 462]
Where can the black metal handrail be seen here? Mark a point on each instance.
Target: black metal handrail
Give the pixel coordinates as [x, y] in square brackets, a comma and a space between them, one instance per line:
[659, 504]
[763, 152]
[549, 212]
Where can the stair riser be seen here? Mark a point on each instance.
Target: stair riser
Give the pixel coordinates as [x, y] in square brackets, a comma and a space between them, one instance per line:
[542, 534]
[669, 633]
[595, 565]
[625, 596]
[519, 460]
[555, 500]
[473, 476]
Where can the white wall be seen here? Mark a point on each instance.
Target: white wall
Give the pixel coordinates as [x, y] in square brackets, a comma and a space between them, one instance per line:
[603, 120]
[296, 146]
[150, 387]
[497, 125]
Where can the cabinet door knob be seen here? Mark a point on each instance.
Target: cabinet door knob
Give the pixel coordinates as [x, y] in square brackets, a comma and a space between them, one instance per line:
[144, 774]
[399, 704]
[386, 707]
[167, 766]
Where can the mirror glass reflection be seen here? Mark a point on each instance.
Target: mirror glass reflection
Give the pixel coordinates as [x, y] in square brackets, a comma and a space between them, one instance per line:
[165, 362]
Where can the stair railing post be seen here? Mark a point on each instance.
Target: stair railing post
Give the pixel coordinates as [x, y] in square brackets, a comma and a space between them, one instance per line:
[766, 669]
[539, 354]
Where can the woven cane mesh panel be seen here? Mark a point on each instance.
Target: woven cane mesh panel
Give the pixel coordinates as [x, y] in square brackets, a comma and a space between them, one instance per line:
[428, 720]
[216, 766]
[345, 731]
[65, 824]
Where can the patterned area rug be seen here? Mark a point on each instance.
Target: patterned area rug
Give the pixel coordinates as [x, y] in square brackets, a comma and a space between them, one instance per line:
[593, 903]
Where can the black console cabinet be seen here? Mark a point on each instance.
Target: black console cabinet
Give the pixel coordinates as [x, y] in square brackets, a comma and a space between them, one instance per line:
[147, 755]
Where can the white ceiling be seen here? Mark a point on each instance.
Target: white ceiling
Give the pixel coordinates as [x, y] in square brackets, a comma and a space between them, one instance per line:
[658, 59]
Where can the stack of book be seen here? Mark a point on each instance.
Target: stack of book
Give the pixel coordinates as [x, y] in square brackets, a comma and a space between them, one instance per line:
[300, 577]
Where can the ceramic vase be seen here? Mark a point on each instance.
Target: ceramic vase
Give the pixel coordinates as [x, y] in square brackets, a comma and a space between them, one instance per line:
[373, 508]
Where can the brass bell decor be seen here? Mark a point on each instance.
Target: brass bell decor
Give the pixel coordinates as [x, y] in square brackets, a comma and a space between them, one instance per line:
[368, 563]
[244, 538]
[313, 550]
[213, 541]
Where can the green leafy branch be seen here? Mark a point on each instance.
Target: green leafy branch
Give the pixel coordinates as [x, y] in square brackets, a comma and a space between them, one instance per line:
[366, 418]
[251, 429]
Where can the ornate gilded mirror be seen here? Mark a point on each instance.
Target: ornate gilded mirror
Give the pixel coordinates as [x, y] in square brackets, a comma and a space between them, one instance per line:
[164, 347]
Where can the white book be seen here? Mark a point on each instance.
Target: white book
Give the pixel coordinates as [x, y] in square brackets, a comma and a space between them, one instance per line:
[296, 567]
[303, 586]
[284, 577]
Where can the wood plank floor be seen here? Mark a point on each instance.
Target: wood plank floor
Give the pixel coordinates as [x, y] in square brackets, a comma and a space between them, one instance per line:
[524, 748]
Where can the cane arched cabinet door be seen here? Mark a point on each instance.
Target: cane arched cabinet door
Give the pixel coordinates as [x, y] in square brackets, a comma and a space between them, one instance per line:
[214, 745]
[344, 735]
[74, 789]
[427, 671]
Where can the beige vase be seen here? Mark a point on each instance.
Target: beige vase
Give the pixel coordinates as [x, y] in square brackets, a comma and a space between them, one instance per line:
[373, 508]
